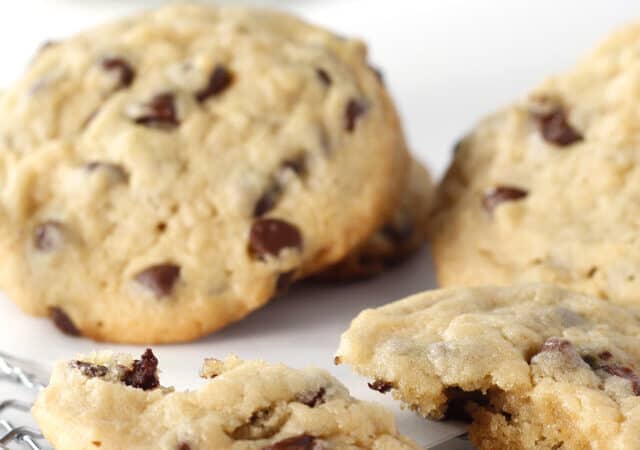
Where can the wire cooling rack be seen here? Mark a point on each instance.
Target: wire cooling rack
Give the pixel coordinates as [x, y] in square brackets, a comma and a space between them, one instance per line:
[27, 377]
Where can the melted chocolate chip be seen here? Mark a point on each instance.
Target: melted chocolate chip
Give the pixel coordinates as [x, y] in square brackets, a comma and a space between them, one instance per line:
[323, 76]
[48, 236]
[159, 112]
[143, 375]
[314, 399]
[626, 373]
[116, 171]
[159, 279]
[63, 322]
[381, 386]
[219, 80]
[125, 72]
[284, 281]
[501, 194]
[556, 129]
[268, 200]
[302, 442]
[352, 113]
[184, 446]
[270, 236]
[90, 370]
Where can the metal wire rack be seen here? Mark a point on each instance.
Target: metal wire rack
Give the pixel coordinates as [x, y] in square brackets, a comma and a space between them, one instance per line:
[31, 379]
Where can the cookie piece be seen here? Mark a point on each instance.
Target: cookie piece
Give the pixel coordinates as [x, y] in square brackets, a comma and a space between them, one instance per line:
[399, 238]
[92, 403]
[165, 175]
[536, 366]
[546, 190]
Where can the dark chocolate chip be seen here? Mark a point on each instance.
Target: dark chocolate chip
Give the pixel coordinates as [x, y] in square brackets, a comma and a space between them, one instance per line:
[500, 194]
[302, 442]
[159, 112]
[159, 279]
[352, 113]
[313, 399]
[116, 171]
[219, 80]
[381, 386]
[263, 424]
[270, 236]
[556, 129]
[184, 446]
[48, 236]
[556, 345]
[124, 70]
[605, 355]
[90, 370]
[63, 322]
[268, 200]
[144, 373]
[284, 281]
[626, 373]
[323, 76]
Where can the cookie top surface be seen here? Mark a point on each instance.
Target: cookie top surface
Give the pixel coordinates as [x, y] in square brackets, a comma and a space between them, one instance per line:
[547, 189]
[403, 234]
[111, 402]
[184, 164]
[528, 342]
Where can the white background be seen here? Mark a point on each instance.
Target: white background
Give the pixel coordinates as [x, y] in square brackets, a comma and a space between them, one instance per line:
[447, 63]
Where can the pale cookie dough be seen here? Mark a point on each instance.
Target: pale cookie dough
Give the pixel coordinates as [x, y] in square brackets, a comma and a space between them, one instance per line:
[109, 402]
[399, 238]
[167, 174]
[536, 367]
[549, 188]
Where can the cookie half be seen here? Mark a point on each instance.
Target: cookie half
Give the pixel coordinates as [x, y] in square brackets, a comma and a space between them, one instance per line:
[113, 402]
[398, 239]
[167, 174]
[535, 366]
[546, 190]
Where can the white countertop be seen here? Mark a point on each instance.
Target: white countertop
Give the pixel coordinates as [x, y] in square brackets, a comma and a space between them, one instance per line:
[447, 63]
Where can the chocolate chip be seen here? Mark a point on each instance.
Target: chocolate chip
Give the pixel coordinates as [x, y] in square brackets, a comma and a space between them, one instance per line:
[605, 355]
[48, 236]
[263, 424]
[626, 373]
[125, 72]
[270, 236]
[284, 281]
[499, 194]
[302, 442]
[159, 112]
[381, 386]
[591, 361]
[313, 399]
[352, 113]
[63, 322]
[116, 171]
[89, 370]
[159, 279]
[556, 345]
[219, 80]
[184, 446]
[268, 200]
[556, 129]
[323, 76]
[143, 375]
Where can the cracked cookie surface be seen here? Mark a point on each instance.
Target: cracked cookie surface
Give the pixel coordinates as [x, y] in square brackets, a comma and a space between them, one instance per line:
[534, 366]
[185, 165]
[547, 189]
[244, 405]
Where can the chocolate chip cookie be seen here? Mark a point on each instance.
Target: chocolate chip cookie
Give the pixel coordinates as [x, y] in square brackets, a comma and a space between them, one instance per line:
[534, 366]
[167, 174]
[398, 239]
[546, 190]
[113, 402]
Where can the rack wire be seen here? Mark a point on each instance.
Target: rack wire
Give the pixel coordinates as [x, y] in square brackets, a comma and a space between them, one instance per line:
[17, 372]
